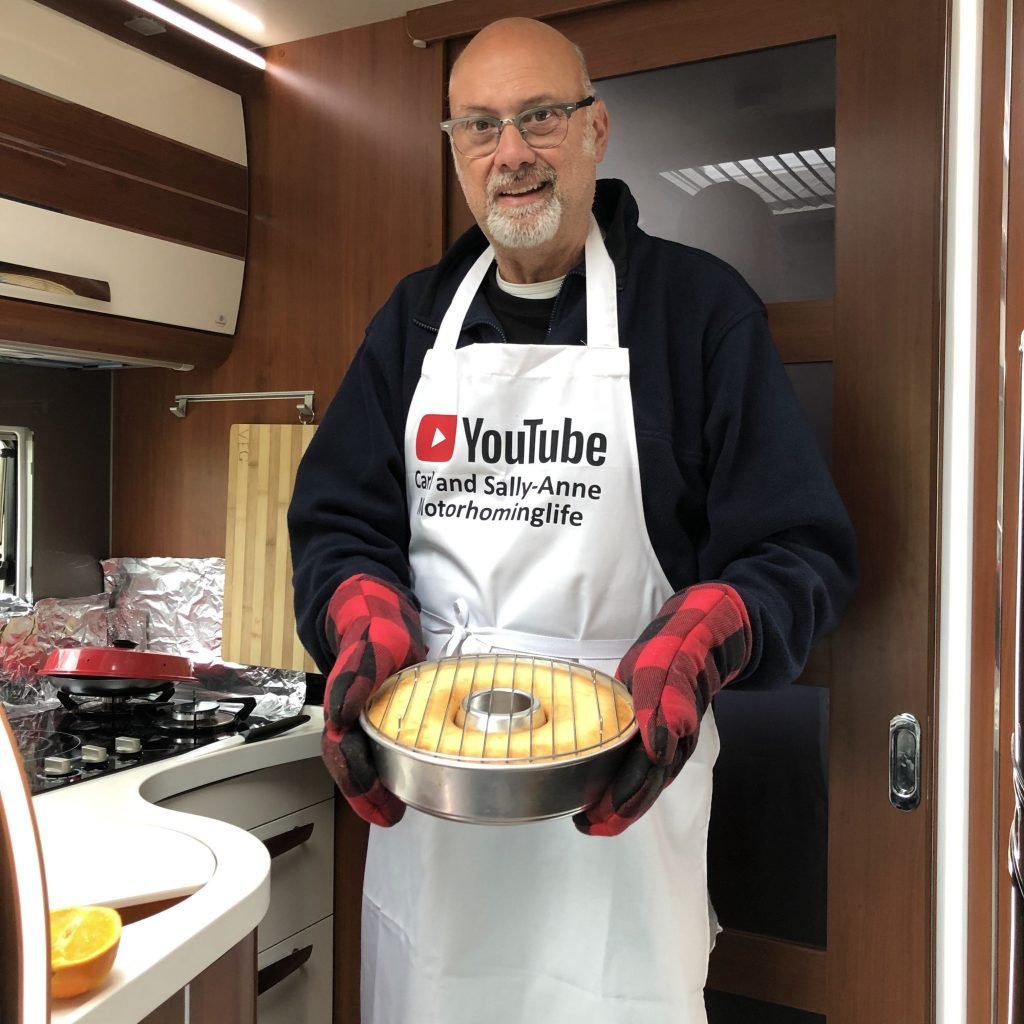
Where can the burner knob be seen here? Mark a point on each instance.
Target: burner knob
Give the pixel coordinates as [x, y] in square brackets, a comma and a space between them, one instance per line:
[128, 745]
[94, 754]
[57, 766]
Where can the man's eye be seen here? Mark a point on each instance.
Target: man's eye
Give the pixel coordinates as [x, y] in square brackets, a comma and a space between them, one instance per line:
[538, 117]
[480, 127]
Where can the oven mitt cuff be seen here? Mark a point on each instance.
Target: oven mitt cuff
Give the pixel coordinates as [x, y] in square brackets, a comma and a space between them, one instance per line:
[697, 643]
[376, 631]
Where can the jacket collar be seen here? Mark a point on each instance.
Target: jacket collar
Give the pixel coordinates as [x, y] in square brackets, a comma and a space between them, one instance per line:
[616, 212]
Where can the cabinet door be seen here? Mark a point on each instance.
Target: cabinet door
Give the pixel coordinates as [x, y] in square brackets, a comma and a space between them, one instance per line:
[837, 924]
[295, 978]
[140, 197]
[301, 846]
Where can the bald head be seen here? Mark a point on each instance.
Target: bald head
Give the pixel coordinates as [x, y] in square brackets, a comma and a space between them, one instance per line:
[498, 49]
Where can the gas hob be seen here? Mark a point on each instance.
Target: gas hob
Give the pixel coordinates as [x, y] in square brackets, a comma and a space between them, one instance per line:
[90, 737]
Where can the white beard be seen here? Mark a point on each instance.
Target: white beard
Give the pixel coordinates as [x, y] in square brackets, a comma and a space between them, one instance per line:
[522, 228]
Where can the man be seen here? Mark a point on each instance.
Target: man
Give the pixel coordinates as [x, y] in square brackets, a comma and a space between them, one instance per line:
[710, 546]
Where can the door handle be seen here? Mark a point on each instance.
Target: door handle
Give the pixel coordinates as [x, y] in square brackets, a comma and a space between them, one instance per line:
[276, 972]
[904, 762]
[276, 845]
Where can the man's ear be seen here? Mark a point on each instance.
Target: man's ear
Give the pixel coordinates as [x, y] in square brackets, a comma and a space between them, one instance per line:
[600, 129]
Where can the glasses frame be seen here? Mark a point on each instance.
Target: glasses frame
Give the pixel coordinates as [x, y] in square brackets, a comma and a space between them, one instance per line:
[568, 109]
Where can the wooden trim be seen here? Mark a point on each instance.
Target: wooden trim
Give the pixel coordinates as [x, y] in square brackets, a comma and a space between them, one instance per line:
[988, 591]
[71, 132]
[1011, 530]
[889, 323]
[93, 193]
[803, 331]
[21, 873]
[225, 993]
[772, 971]
[351, 835]
[647, 34]
[464, 17]
[83, 331]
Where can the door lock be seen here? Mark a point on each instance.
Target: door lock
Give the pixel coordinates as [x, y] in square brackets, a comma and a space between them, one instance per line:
[904, 762]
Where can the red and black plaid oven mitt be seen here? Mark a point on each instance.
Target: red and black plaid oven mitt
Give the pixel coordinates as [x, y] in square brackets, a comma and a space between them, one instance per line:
[377, 632]
[698, 642]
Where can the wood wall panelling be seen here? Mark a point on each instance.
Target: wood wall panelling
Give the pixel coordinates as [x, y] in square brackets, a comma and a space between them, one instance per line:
[889, 137]
[803, 331]
[342, 206]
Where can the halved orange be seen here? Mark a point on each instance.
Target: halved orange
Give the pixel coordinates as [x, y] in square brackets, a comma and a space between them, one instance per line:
[83, 944]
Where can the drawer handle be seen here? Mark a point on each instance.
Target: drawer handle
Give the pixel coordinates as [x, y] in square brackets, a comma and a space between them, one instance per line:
[48, 280]
[273, 974]
[276, 845]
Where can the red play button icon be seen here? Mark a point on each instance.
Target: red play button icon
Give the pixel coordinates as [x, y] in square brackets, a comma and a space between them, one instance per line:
[435, 438]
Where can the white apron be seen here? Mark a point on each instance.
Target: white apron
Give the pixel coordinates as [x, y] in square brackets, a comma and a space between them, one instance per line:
[528, 534]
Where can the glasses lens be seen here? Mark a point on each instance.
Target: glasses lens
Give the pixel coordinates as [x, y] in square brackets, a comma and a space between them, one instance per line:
[544, 127]
[477, 137]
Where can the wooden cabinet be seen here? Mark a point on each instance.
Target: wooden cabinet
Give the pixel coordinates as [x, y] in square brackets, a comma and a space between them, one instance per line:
[290, 808]
[225, 993]
[124, 217]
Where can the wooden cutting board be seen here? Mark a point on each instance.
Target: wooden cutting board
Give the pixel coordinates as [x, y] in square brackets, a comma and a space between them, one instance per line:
[259, 624]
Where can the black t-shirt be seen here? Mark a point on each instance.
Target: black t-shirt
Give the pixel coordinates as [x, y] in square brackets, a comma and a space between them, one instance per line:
[524, 321]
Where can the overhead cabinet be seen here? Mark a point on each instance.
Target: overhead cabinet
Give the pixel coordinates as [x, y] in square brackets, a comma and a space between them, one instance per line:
[123, 197]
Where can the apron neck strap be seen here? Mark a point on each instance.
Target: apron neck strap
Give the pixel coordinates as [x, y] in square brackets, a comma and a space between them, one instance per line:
[602, 315]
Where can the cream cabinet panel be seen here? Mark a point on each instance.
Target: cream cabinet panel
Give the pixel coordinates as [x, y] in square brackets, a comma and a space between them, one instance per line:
[301, 874]
[149, 279]
[305, 994]
[62, 57]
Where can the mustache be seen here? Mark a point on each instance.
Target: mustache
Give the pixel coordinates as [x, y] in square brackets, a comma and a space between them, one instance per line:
[502, 182]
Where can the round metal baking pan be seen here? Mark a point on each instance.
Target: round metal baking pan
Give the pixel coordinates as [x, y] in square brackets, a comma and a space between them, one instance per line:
[500, 791]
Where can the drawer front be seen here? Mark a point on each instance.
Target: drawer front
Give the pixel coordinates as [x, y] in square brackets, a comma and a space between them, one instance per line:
[257, 798]
[147, 278]
[301, 871]
[306, 994]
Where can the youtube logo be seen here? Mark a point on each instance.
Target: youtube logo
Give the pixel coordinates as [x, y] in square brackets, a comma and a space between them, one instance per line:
[435, 438]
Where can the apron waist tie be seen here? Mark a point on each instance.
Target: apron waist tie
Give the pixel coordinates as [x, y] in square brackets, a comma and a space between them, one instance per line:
[457, 634]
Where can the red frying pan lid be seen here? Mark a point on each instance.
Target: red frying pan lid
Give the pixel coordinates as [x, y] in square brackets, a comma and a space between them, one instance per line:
[117, 663]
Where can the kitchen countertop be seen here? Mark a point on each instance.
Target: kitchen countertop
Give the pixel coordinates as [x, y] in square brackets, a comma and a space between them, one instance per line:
[106, 841]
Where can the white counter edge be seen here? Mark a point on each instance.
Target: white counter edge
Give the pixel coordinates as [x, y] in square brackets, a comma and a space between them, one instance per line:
[162, 953]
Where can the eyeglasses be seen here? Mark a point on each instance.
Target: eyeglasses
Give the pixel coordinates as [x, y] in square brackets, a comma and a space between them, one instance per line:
[541, 128]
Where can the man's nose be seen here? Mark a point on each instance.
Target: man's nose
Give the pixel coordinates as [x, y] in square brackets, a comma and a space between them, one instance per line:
[513, 151]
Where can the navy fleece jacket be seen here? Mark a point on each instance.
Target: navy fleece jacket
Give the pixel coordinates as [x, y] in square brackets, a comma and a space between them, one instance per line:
[733, 485]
